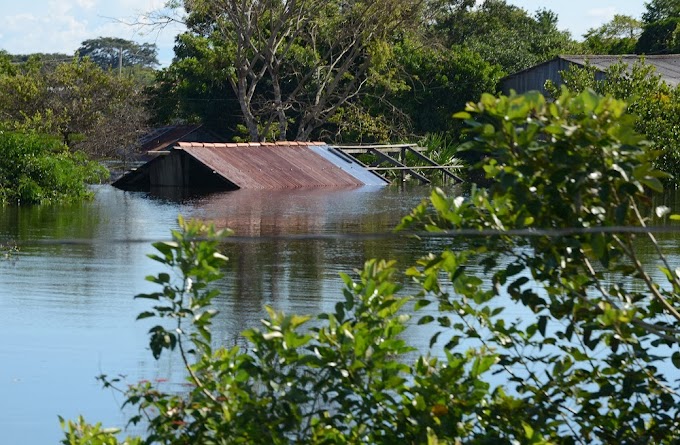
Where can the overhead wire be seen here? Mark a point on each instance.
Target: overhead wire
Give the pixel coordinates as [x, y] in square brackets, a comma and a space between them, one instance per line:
[373, 236]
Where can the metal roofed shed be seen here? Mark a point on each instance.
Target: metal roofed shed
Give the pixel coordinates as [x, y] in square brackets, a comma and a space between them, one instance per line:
[231, 166]
[667, 66]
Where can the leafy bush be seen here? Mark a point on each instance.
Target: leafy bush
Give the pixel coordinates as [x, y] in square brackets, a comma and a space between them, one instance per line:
[585, 356]
[37, 169]
[342, 380]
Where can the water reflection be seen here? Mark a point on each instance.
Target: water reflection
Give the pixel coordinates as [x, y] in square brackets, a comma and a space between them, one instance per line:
[300, 276]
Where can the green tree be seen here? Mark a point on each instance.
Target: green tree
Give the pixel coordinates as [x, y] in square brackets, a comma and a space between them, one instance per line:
[111, 52]
[426, 84]
[195, 88]
[439, 83]
[662, 37]
[291, 65]
[43, 57]
[584, 357]
[90, 110]
[505, 34]
[661, 33]
[617, 36]
[658, 10]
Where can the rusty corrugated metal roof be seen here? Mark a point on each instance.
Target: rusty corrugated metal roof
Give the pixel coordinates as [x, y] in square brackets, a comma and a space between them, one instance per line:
[270, 165]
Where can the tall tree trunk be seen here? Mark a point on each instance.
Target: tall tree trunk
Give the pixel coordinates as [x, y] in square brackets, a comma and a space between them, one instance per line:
[248, 117]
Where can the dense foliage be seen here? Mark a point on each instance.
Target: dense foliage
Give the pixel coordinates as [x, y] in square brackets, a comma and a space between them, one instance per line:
[39, 169]
[532, 345]
[504, 34]
[655, 104]
[90, 110]
[661, 28]
[113, 52]
[267, 70]
[662, 37]
[618, 36]
[657, 10]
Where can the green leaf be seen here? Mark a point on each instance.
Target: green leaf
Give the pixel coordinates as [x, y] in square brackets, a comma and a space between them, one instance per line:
[675, 358]
[653, 184]
[426, 319]
[481, 365]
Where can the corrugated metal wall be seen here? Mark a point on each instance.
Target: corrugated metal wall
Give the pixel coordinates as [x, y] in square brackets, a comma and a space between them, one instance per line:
[534, 78]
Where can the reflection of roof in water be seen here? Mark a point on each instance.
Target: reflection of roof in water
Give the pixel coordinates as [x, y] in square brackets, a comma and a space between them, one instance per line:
[302, 211]
[281, 165]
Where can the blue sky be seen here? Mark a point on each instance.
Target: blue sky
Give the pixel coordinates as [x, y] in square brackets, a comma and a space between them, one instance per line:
[28, 26]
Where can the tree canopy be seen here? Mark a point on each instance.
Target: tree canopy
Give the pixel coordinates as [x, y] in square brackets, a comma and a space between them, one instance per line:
[661, 33]
[658, 10]
[345, 70]
[504, 34]
[87, 108]
[618, 36]
[292, 64]
[109, 52]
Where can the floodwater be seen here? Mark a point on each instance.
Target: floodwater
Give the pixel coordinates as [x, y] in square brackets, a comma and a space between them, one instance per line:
[67, 312]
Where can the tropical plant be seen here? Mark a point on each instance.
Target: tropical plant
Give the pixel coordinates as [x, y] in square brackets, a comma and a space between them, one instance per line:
[341, 379]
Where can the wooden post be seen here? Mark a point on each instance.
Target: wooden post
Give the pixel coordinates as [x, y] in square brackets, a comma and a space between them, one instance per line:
[402, 158]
